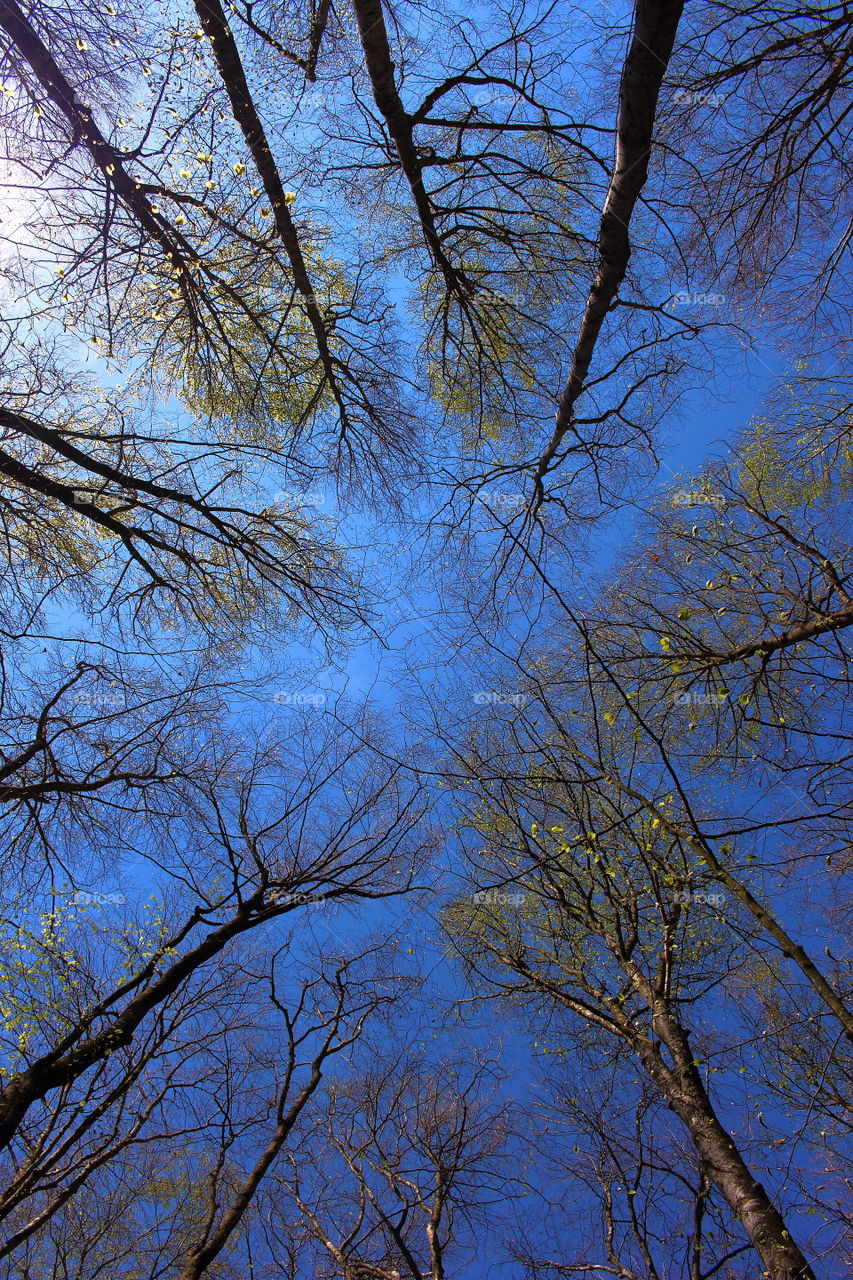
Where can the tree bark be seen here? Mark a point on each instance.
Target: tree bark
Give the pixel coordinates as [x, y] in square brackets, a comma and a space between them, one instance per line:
[784, 640]
[230, 67]
[380, 68]
[110, 161]
[653, 37]
[684, 1092]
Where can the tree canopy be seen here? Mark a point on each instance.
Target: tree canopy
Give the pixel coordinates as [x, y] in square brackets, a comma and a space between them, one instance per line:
[426, 458]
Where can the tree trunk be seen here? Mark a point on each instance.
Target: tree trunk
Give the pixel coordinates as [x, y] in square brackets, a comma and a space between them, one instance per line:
[652, 40]
[683, 1090]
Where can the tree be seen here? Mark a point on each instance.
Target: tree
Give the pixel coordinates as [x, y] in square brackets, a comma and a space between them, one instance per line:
[218, 279]
[615, 1157]
[758, 120]
[632, 873]
[96, 506]
[115, 1030]
[190, 1121]
[602, 935]
[402, 1173]
[463, 270]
